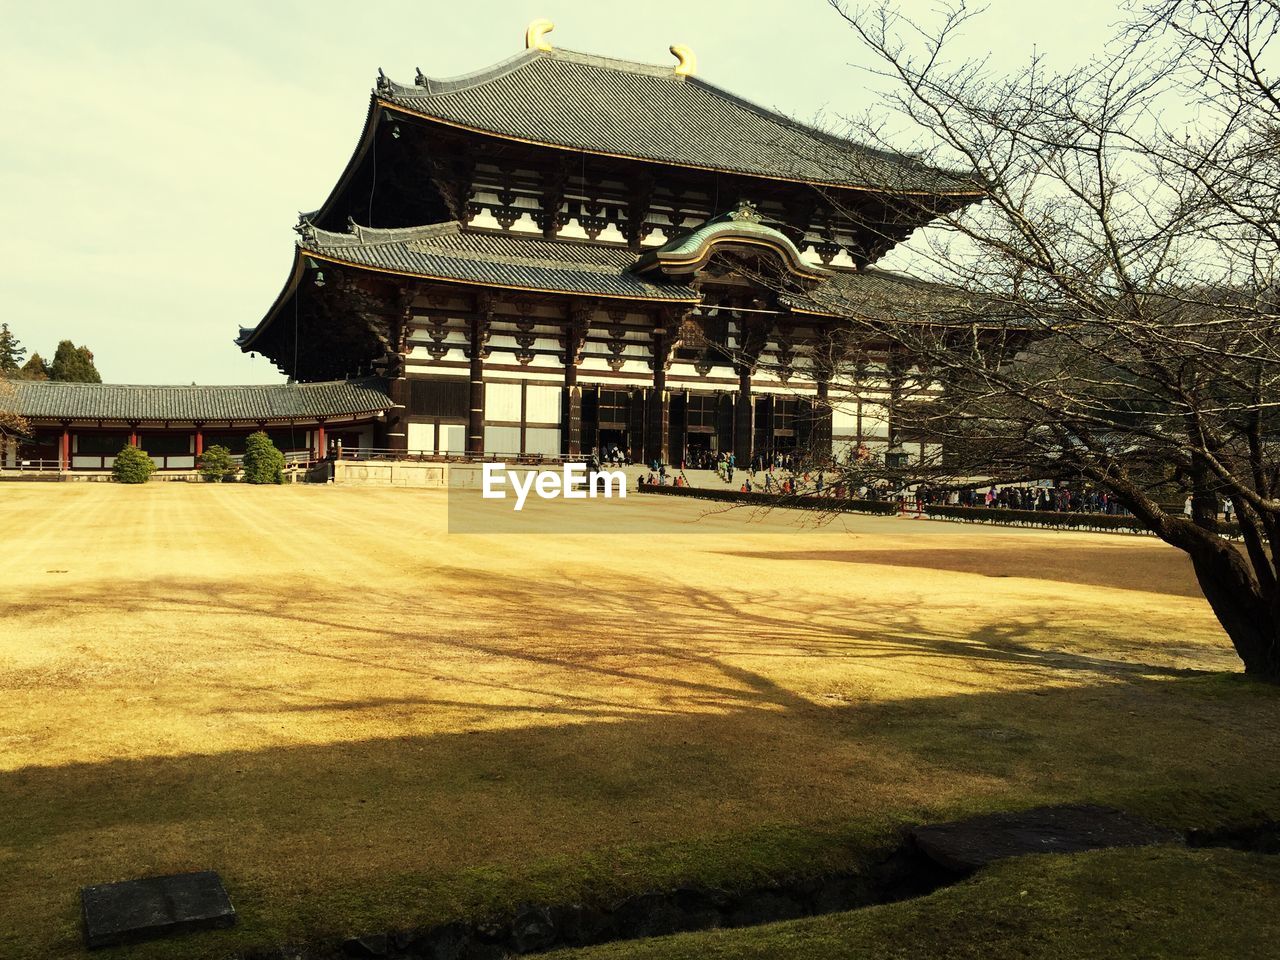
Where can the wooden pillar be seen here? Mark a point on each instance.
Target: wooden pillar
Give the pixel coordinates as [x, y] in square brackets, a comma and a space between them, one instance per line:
[637, 422]
[320, 442]
[199, 439]
[677, 424]
[656, 440]
[571, 421]
[743, 419]
[475, 414]
[571, 398]
[64, 449]
[753, 336]
[397, 428]
[822, 415]
[895, 368]
[133, 434]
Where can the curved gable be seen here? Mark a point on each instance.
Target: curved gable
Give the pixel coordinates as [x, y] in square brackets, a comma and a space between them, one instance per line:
[743, 227]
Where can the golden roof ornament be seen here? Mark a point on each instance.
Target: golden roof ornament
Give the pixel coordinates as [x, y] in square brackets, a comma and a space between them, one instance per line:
[688, 64]
[535, 35]
[746, 211]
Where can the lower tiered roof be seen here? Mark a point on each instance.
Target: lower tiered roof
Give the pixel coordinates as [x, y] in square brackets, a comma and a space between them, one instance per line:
[445, 251]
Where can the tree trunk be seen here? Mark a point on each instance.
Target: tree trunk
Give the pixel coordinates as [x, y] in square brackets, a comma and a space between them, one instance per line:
[1245, 613]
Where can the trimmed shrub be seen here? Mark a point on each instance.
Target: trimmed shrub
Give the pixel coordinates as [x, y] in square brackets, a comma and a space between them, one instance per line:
[216, 464]
[263, 463]
[1035, 518]
[132, 466]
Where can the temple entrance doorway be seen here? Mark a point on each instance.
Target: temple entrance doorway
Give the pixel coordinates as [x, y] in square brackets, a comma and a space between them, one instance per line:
[613, 444]
[700, 449]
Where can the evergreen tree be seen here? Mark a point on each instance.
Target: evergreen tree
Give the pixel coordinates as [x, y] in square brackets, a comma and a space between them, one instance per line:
[73, 364]
[217, 465]
[132, 465]
[263, 463]
[11, 350]
[34, 369]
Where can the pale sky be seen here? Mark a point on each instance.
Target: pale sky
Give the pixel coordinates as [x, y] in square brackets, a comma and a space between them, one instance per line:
[154, 155]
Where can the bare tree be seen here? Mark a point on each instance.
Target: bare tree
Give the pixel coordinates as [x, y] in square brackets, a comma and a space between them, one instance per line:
[1118, 323]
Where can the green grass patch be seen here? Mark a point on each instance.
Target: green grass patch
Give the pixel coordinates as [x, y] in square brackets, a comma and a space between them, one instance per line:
[1164, 902]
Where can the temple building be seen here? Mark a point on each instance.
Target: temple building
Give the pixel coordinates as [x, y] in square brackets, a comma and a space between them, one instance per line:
[560, 254]
[565, 252]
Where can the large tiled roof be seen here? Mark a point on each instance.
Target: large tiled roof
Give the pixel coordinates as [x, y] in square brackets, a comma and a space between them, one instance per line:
[47, 399]
[880, 295]
[581, 102]
[445, 252]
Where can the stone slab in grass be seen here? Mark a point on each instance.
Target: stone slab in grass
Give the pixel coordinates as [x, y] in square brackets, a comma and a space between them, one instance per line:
[966, 845]
[153, 907]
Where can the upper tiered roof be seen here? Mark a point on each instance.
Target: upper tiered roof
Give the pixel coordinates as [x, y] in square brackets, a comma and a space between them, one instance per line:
[577, 101]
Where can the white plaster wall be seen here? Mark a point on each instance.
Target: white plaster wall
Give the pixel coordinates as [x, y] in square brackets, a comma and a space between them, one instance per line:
[453, 438]
[542, 405]
[421, 436]
[542, 440]
[844, 418]
[502, 439]
[502, 401]
[875, 420]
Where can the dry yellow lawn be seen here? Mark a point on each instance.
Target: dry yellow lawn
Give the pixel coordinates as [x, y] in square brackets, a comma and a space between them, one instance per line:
[362, 721]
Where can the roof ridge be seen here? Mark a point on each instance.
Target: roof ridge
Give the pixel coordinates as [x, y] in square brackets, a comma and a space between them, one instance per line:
[433, 86]
[358, 235]
[424, 86]
[662, 71]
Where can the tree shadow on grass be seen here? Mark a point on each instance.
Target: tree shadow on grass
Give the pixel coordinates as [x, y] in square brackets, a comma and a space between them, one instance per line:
[340, 838]
[1055, 562]
[587, 744]
[577, 649]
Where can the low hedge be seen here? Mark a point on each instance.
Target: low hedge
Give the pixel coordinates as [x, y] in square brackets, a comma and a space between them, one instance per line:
[1060, 520]
[796, 501]
[1063, 520]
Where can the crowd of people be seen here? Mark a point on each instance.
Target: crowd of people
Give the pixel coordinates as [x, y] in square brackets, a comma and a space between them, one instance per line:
[613, 455]
[1061, 499]
[784, 474]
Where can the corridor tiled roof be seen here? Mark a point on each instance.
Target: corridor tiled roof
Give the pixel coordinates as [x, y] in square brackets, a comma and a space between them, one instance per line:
[620, 108]
[47, 399]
